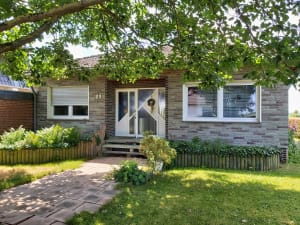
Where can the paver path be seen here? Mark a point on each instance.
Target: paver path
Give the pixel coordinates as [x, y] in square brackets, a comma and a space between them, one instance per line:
[55, 198]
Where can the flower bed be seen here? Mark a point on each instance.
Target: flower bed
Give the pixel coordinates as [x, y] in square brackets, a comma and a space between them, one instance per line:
[85, 149]
[262, 163]
[214, 154]
[46, 145]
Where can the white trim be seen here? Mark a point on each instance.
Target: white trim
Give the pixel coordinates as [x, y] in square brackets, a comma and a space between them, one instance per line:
[50, 106]
[16, 89]
[135, 90]
[220, 117]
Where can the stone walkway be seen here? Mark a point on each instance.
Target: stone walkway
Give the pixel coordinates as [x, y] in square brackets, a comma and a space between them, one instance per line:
[55, 198]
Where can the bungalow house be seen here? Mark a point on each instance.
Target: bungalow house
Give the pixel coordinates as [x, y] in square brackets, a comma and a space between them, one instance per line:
[240, 113]
[16, 104]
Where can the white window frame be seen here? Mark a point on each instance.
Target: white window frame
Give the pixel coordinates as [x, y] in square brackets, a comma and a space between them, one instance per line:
[50, 106]
[220, 117]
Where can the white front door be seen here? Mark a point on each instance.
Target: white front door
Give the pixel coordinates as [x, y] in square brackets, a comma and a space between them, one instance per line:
[140, 110]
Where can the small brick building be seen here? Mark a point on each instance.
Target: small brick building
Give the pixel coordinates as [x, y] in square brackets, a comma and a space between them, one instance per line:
[16, 104]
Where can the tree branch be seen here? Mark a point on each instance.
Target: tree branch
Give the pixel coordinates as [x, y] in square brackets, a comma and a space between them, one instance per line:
[106, 32]
[242, 18]
[56, 12]
[11, 46]
[123, 24]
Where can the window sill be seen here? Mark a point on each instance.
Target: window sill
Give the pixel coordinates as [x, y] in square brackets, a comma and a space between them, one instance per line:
[208, 120]
[68, 118]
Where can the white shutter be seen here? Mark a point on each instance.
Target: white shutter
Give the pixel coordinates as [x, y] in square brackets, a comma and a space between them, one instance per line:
[70, 95]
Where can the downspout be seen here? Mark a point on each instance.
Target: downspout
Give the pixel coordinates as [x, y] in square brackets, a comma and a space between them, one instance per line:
[34, 108]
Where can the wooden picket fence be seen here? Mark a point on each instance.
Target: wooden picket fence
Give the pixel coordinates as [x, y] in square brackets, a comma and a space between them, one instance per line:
[85, 149]
[259, 163]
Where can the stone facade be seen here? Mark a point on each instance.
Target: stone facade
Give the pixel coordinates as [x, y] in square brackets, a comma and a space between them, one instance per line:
[272, 130]
[96, 106]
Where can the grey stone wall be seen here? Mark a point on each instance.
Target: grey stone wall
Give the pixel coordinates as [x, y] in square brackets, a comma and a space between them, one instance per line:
[271, 131]
[96, 107]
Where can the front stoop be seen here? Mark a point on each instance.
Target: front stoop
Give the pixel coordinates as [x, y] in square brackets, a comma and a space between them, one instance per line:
[122, 145]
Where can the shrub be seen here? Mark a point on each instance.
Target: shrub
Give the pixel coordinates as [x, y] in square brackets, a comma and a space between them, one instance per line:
[130, 173]
[218, 148]
[293, 149]
[52, 137]
[32, 140]
[58, 137]
[291, 144]
[13, 139]
[156, 149]
[294, 156]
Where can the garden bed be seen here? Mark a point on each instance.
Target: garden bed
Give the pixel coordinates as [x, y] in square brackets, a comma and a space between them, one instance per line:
[216, 154]
[262, 163]
[85, 149]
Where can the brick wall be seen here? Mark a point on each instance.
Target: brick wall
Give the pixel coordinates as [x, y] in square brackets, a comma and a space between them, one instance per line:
[16, 109]
[96, 106]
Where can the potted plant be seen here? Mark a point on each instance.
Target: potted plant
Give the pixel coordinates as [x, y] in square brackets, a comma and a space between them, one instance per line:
[157, 151]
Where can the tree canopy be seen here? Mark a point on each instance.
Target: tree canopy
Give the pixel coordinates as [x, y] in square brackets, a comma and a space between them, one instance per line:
[208, 40]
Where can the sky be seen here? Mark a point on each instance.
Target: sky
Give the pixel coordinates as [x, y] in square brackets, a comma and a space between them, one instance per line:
[294, 99]
[80, 52]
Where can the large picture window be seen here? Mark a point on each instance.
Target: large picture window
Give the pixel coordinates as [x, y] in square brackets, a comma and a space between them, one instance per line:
[236, 102]
[68, 102]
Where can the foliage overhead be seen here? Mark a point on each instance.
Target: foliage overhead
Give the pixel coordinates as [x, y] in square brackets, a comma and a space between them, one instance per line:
[207, 40]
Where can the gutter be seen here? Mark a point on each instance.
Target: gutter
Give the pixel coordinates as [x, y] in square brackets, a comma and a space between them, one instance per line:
[35, 94]
[17, 89]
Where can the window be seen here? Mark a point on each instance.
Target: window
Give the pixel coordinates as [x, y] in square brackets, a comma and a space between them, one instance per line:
[236, 102]
[68, 102]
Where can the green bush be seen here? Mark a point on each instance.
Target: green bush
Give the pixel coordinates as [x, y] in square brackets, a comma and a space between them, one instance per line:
[31, 141]
[13, 139]
[156, 150]
[58, 137]
[216, 147]
[52, 137]
[293, 147]
[291, 144]
[130, 173]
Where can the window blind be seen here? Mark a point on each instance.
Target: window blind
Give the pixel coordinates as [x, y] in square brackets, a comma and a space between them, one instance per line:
[70, 95]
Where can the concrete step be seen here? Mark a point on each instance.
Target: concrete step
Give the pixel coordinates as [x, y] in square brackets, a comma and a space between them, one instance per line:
[128, 149]
[121, 152]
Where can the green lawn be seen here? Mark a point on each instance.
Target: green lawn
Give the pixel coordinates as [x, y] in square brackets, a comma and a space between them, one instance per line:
[206, 196]
[11, 176]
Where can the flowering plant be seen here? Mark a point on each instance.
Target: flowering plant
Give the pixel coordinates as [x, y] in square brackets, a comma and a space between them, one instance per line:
[291, 134]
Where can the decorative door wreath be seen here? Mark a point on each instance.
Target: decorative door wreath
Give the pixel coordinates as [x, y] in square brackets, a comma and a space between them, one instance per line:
[151, 103]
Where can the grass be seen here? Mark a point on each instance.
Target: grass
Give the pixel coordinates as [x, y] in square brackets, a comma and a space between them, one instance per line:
[202, 196]
[11, 176]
